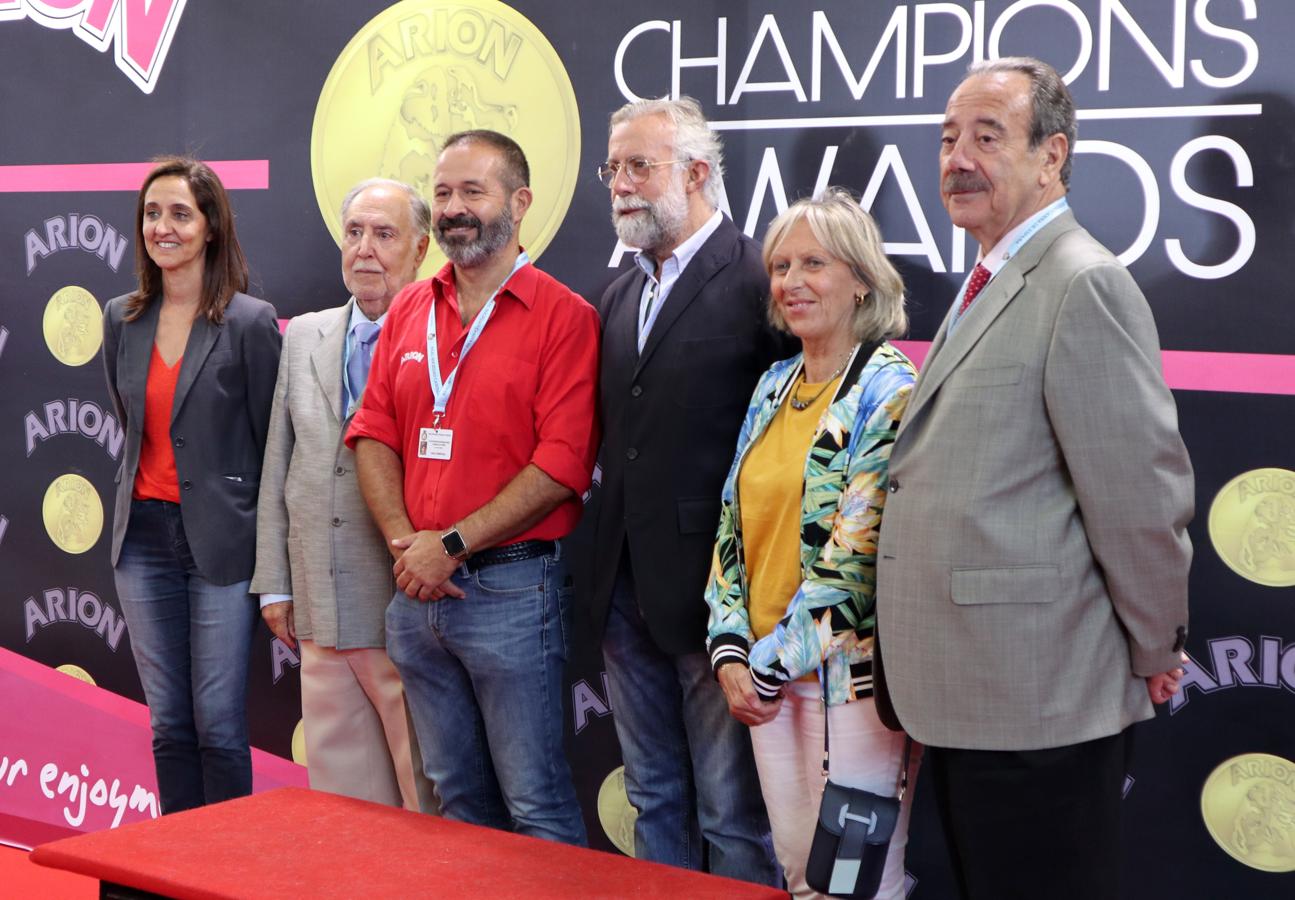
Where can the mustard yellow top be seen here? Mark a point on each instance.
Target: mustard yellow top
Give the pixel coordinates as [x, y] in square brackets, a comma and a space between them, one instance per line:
[771, 484]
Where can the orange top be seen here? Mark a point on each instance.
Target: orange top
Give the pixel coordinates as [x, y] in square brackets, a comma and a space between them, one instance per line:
[156, 479]
[771, 484]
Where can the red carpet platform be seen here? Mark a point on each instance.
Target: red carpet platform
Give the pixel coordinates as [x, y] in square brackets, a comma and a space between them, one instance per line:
[297, 842]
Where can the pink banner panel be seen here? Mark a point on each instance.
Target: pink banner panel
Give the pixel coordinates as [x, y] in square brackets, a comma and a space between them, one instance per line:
[76, 758]
[237, 174]
[1237, 373]
[1190, 370]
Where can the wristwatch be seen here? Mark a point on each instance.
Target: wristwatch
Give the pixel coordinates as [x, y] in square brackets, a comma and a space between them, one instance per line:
[455, 548]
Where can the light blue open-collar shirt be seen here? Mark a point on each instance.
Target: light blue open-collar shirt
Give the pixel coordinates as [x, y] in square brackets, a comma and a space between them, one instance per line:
[671, 269]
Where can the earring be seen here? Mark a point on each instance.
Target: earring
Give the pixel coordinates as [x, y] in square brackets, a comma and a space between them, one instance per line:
[858, 299]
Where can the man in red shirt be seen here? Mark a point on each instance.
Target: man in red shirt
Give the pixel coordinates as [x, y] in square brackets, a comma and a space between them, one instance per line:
[475, 439]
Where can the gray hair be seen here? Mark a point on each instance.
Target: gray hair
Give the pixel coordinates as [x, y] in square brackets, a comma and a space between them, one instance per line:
[1053, 107]
[693, 138]
[850, 235]
[419, 212]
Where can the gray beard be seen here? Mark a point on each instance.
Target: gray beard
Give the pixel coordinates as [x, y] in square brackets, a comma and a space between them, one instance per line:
[661, 224]
[491, 237]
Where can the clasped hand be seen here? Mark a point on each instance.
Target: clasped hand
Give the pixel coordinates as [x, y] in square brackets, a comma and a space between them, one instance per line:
[1164, 685]
[744, 703]
[423, 569]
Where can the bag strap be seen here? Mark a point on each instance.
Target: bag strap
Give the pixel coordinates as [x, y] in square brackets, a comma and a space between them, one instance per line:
[901, 786]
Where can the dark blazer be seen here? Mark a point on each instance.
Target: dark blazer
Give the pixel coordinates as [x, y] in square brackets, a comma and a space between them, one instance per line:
[219, 423]
[670, 422]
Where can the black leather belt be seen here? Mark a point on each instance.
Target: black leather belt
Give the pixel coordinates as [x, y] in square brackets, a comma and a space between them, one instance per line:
[509, 553]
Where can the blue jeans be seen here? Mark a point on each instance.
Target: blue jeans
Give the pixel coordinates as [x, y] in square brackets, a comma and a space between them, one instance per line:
[191, 640]
[689, 770]
[484, 680]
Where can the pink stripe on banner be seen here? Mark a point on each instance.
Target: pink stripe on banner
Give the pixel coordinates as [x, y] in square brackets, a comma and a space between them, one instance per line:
[1237, 373]
[237, 174]
[1186, 370]
[915, 350]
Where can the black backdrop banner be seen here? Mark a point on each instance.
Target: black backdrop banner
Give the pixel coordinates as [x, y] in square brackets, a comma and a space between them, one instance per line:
[1185, 167]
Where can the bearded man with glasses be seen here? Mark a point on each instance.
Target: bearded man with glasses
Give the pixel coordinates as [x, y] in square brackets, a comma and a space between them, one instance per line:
[685, 338]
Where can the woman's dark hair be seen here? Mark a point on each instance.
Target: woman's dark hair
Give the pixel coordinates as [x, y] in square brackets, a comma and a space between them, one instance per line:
[224, 266]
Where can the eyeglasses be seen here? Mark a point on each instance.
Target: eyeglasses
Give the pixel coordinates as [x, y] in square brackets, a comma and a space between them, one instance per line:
[636, 169]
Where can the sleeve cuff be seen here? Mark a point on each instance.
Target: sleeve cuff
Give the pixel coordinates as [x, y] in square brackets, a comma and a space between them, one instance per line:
[563, 466]
[373, 425]
[1153, 661]
[267, 599]
[727, 648]
[766, 686]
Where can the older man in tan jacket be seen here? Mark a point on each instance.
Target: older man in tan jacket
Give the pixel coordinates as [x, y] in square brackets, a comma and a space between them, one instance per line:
[1033, 559]
[323, 570]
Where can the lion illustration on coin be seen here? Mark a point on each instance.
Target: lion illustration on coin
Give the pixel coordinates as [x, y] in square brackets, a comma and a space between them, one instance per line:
[1265, 822]
[439, 101]
[75, 512]
[1269, 538]
[74, 332]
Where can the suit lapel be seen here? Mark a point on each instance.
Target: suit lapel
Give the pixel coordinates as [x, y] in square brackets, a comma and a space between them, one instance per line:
[326, 359]
[137, 350]
[710, 258]
[622, 319]
[948, 351]
[202, 337]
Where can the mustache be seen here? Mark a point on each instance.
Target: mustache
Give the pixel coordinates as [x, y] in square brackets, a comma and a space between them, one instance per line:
[959, 182]
[626, 204]
[461, 221]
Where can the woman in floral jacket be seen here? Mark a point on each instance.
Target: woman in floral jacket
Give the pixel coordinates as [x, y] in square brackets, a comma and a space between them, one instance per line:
[791, 590]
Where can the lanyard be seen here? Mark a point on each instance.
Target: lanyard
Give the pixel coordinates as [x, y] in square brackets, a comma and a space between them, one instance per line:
[441, 390]
[1040, 219]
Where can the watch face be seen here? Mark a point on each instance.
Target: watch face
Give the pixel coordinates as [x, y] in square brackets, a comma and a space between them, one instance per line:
[453, 544]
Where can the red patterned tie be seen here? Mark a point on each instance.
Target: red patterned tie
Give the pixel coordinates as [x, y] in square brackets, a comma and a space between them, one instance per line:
[979, 278]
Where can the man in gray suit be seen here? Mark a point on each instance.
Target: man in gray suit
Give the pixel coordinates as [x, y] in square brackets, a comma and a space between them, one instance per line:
[322, 567]
[1033, 558]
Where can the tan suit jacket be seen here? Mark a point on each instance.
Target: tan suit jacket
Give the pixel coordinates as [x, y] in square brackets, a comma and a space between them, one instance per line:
[314, 537]
[1033, 555]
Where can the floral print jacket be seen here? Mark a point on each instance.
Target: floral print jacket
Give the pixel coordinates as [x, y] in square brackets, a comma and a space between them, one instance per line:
[829, 621]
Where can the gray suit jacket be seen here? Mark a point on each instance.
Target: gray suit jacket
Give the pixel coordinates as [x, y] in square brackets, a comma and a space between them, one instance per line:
[1033, 557]
[315, 539]
[218, 424]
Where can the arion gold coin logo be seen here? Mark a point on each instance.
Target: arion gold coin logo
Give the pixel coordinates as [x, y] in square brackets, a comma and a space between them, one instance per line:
[299, 743]
[615, 811]
[73, 513]
[1248, 804]
[76, 672]
[1252, 526]
[72, 325]
[423, 69]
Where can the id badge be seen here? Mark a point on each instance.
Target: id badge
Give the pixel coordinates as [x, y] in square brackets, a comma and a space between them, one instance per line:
[435, 443]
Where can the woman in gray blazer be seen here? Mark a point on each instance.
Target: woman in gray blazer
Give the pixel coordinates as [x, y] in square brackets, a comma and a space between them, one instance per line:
[191, 364]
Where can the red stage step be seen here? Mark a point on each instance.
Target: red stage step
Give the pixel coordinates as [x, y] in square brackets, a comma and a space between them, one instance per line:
[298, 842]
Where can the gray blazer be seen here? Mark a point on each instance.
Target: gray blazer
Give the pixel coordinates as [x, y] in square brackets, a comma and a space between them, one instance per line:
[218, 425]
[315, 539]
[1033, 557]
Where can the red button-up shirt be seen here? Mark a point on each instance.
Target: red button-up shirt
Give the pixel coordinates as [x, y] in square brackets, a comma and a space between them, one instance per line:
[526, 393]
